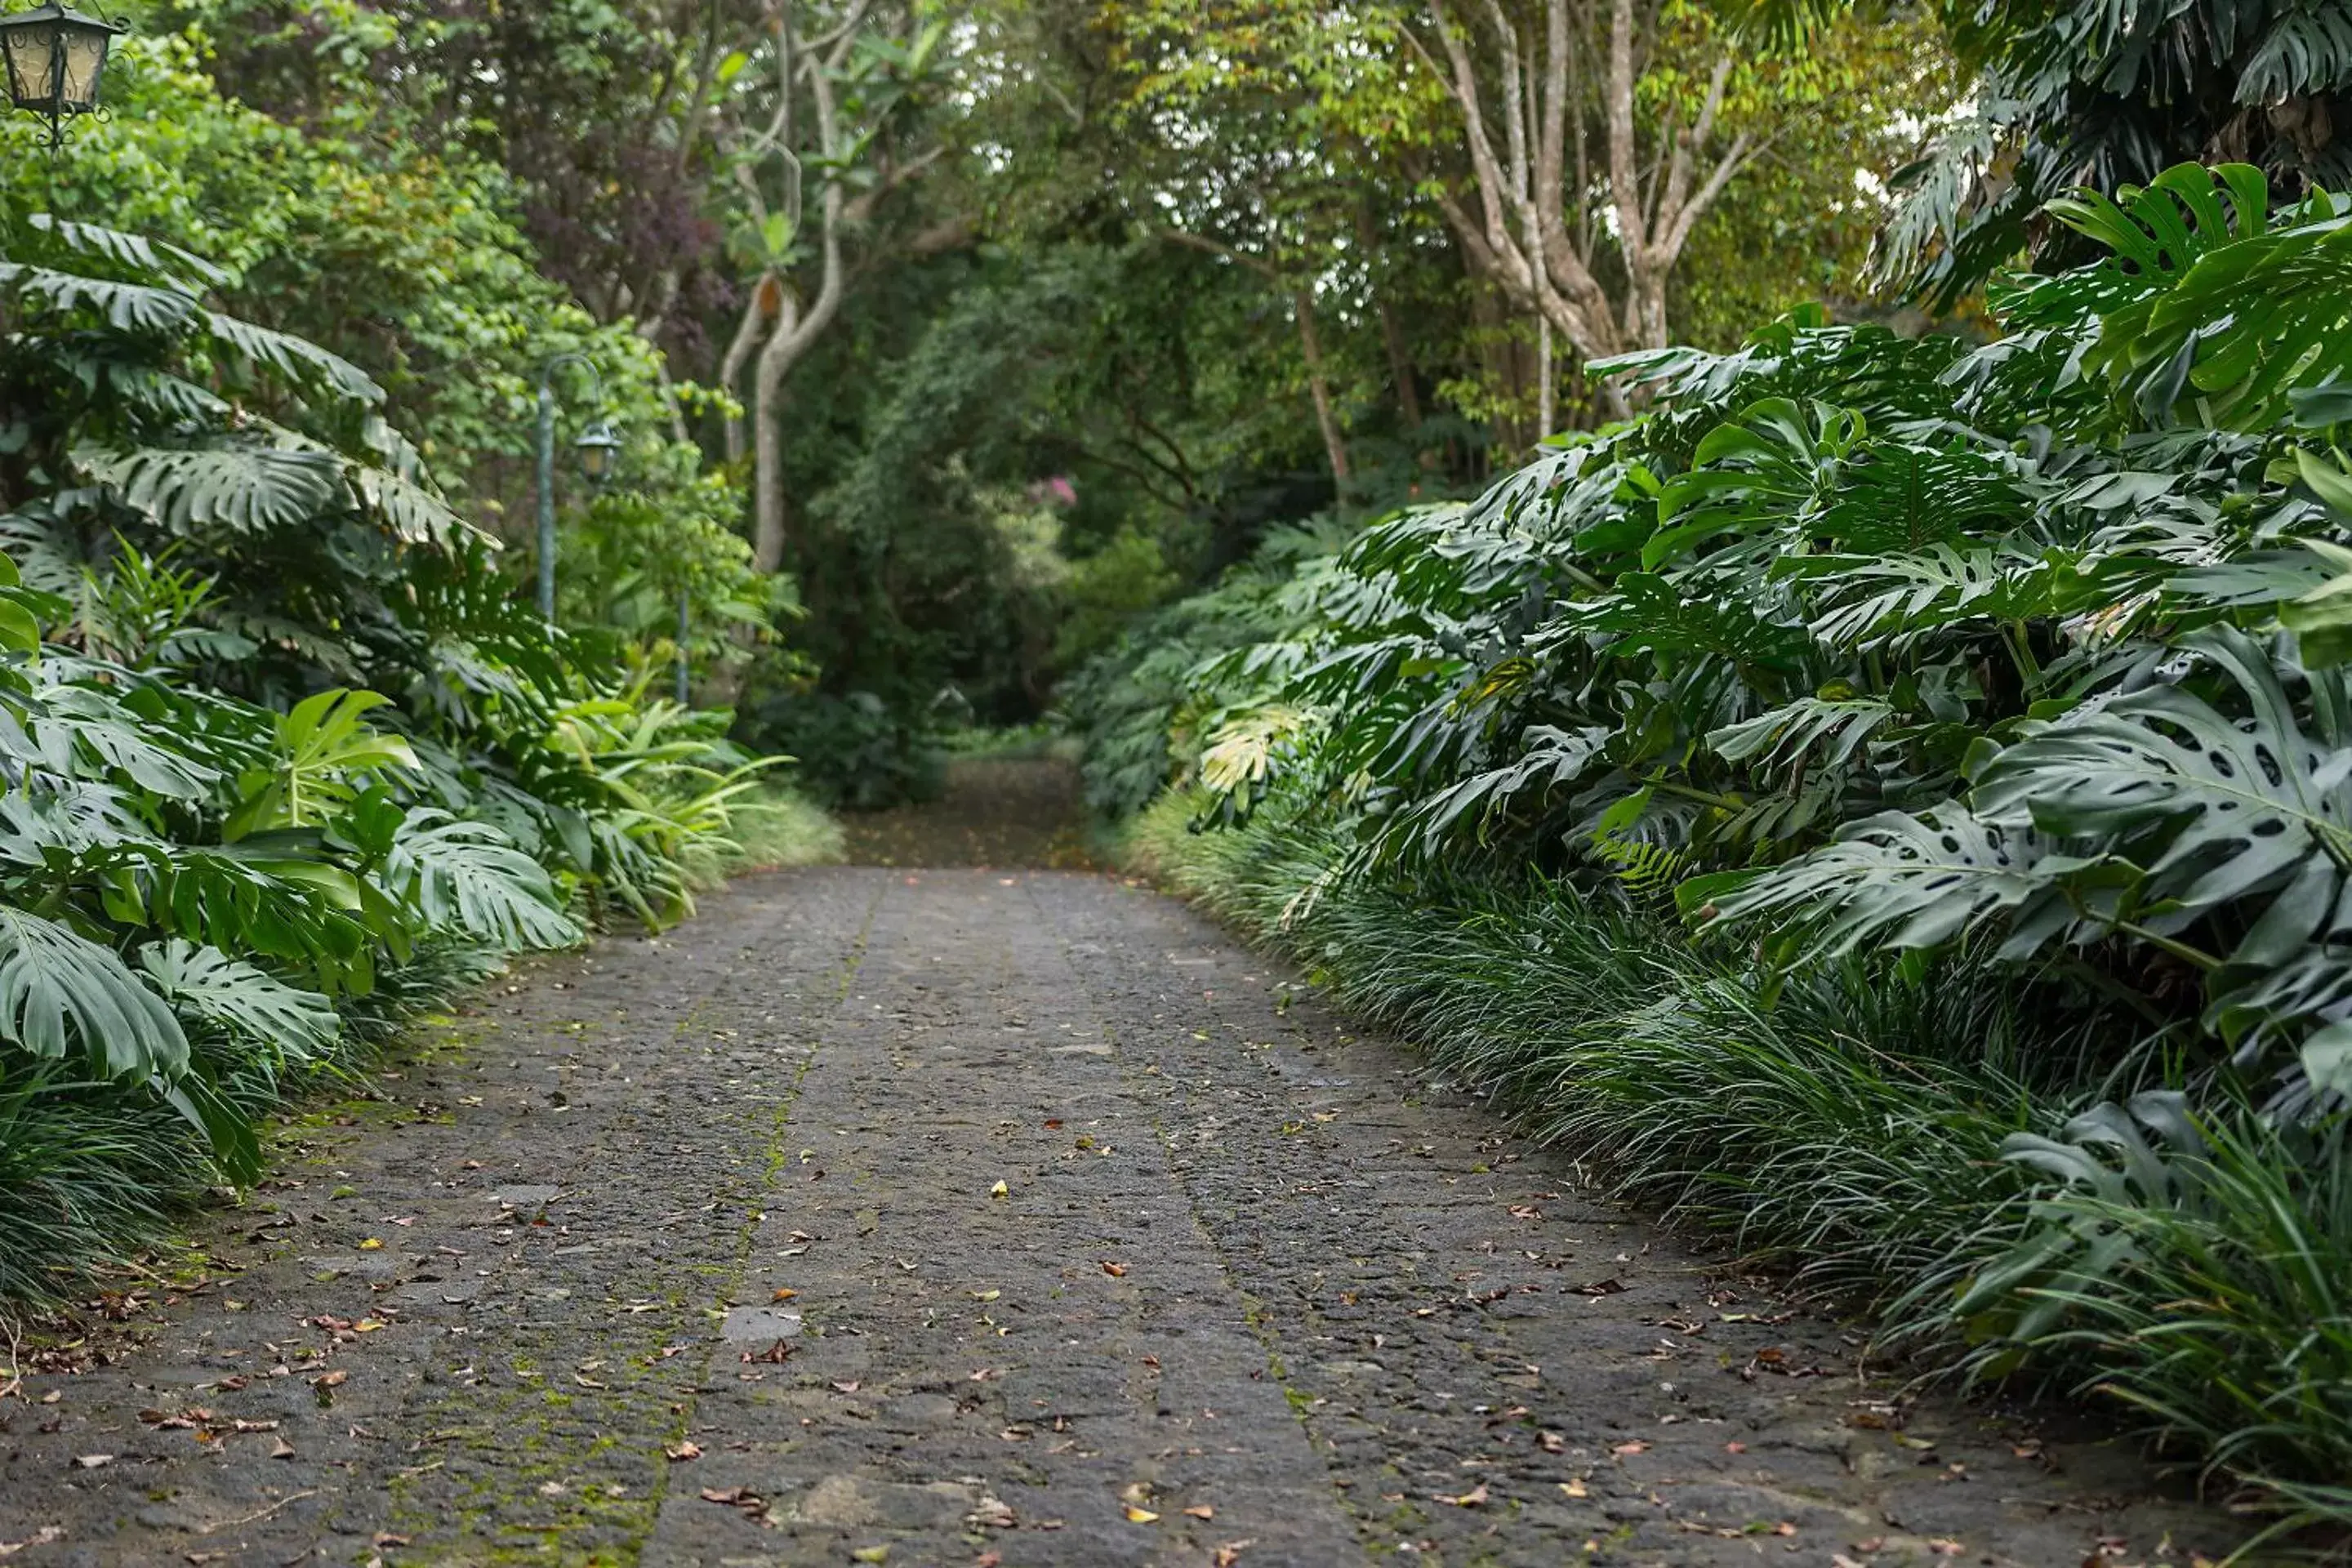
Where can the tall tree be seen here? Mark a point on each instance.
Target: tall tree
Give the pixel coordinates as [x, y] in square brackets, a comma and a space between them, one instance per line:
[844, 98]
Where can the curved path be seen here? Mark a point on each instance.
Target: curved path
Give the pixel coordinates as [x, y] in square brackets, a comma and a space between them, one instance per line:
[985, 1217]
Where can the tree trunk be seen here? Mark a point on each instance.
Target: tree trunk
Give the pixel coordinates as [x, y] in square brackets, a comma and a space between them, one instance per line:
[775, 361]
[1319, 384]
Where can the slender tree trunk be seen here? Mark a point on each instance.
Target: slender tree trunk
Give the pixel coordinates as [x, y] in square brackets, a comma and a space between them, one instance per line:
[739, 353]
[1547, 388]
[775, 362]
[1408, 395]
[1319, 384]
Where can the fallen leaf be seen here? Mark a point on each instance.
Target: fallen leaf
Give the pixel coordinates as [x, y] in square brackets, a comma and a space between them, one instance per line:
[851, 1386]
[372, 1244]
[1636, 1447]
[682, 1450]
[994, 1512]
[1871, 1543]
[366, 1326]
[999, 1190]
[1053, 1124]
[40, 1537]
[92, 1461]
[1140, 1515]
[1201, 1511]
[1599, 1288]
[985, 1374]
[1475, 1498]
[1116, 1271]
[1574, 1488]
[1550, 1442]
[281, 1450]
[784, 1294]
[984, 1295]
[1229, 1553]
[334, 1379]
[871, 1555]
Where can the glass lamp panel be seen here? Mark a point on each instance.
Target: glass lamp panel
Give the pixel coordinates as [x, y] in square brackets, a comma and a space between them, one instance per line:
[31, 53]
[85, 51]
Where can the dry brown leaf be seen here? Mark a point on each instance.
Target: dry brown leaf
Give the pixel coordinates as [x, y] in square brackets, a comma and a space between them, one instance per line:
[281, 1450]
[334, 1379]
[1574, 1488]
[1475, 1498]
[1201, 1511]
[687, 1449]
[784, 1294]
[1116, 1271]
[1636, 1447]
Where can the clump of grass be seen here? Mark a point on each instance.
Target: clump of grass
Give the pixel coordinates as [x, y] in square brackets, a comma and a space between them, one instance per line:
[770, 827]
[1858, 1126]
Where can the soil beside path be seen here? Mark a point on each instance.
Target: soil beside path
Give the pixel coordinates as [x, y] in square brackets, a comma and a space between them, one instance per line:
[977, 1216]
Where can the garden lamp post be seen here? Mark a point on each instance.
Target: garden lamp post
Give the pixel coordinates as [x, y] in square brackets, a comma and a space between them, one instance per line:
[54, 58]
[599, 448]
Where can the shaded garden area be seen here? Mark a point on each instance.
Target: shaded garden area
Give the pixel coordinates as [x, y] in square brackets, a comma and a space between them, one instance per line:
[1765, 584]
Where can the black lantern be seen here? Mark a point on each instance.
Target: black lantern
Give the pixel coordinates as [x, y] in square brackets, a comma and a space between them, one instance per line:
[599, 450]
[54, 57]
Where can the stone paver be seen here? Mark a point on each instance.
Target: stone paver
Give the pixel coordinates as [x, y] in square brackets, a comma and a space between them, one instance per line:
[980, 1217]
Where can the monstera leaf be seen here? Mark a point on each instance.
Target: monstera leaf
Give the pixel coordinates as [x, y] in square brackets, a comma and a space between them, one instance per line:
[2216, 809]
[206, 985]
[247, 488]
[1899, 881]
[468, 876]
[59, 990]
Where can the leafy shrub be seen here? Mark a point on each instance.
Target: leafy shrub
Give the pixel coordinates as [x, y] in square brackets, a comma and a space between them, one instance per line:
[228, 867]
[1933, 677]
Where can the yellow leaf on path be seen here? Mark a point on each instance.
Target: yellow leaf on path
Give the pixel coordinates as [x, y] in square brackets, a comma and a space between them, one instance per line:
[999, 1190]
[366, 1326]
[1475, 1498]
[783, 1295]
[1139, 1515]
[372, 1244]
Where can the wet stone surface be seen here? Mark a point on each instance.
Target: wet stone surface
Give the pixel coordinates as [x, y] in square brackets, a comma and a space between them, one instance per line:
[985, 1218]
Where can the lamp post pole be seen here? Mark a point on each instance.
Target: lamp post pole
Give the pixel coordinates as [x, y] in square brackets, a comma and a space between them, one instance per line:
[598, 446]
[547, 495]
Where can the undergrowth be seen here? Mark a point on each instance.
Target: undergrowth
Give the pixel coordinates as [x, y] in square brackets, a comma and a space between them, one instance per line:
[1859, 1128]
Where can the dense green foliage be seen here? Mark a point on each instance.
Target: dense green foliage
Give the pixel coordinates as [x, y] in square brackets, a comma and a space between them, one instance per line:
[1912, 665]
[284, 759]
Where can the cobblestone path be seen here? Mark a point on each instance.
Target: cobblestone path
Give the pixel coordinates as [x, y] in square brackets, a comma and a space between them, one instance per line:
[986, 1217]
